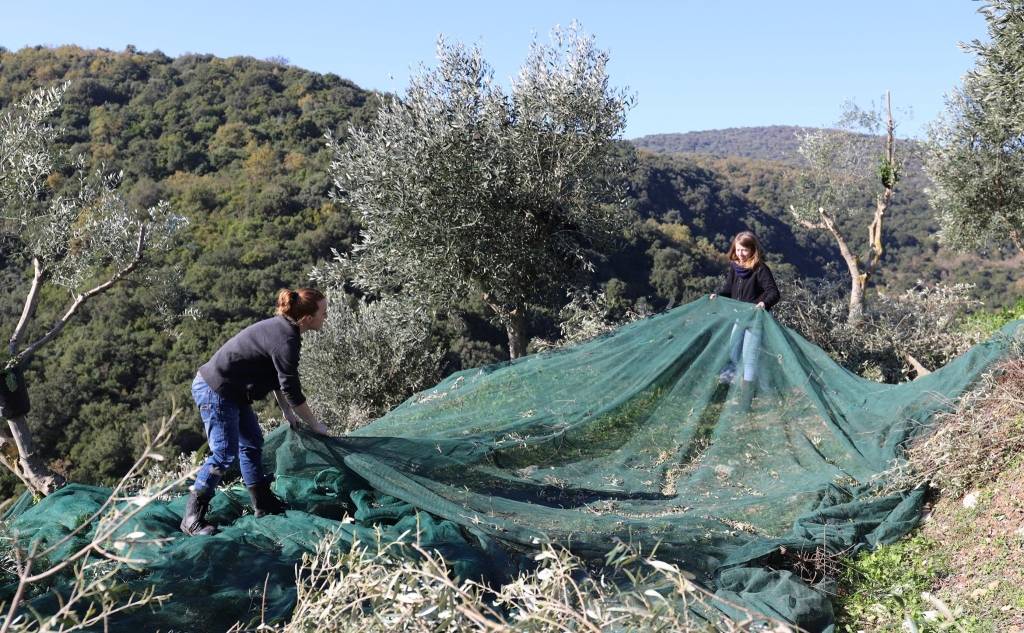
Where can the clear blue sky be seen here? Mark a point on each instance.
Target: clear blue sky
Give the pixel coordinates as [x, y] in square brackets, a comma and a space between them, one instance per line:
[694, 65]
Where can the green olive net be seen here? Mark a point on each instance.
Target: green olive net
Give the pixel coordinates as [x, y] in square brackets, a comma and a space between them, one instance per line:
[738, 448]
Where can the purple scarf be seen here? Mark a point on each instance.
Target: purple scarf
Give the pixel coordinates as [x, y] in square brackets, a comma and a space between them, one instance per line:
[741, 272]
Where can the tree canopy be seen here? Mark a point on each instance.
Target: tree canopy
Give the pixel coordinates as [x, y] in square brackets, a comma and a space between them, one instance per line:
[465, 189]
[976, 148]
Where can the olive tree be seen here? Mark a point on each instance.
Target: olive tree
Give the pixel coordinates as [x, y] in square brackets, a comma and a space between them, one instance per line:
[468, 189]
[975, 153]
[69, 229]
[843, 167]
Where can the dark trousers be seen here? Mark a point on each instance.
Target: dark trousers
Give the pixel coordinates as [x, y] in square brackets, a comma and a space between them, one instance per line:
[233, 432]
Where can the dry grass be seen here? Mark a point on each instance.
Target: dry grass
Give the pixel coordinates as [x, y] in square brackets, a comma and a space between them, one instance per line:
[381, 588]
[981, 537]
[976, 440]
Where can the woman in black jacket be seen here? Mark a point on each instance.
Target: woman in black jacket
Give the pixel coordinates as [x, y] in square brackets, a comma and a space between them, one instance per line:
[749, 279]
[263, 358]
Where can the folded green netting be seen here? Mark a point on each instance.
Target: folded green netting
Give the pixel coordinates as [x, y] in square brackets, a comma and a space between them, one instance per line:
[712, 431]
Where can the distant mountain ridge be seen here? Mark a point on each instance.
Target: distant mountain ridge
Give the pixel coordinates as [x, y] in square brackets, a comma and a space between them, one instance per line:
[773, 142]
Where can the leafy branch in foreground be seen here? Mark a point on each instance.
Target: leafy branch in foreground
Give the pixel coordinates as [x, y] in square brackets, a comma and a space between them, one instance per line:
[91, 591]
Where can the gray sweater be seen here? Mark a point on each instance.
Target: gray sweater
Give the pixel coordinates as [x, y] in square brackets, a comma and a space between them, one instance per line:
[261, 358]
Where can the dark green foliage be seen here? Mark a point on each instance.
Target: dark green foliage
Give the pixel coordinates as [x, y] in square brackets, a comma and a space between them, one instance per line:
[889, 173]
[236, 146]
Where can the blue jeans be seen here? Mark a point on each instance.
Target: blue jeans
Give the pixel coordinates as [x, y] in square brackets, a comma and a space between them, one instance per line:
[233, 432]
[745, 347]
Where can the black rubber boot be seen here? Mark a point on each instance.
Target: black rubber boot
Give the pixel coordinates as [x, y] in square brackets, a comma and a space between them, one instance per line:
[194, 522]
[264, 501]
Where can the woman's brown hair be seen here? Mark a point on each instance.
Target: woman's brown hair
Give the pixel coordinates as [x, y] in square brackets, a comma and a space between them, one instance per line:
[748, 240]
[296, 304]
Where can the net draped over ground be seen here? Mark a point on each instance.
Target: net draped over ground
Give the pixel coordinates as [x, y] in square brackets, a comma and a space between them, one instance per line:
[710, 430]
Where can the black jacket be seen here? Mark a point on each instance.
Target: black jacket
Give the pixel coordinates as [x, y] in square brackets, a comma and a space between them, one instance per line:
[759, 286]
[261, 358]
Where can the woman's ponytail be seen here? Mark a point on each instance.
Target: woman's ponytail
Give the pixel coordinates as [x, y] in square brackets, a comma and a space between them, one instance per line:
[296, 304]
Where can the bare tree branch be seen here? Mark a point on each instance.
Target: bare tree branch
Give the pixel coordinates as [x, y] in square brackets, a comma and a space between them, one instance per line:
[19, 594]
[107, 521]
[27, 353]
[918, 367]
[884, 199]
[13, 466]
[29, 307]
[804, 222]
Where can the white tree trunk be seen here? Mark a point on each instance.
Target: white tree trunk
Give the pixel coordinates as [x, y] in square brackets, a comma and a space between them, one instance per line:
[856, 311]
[36, 476]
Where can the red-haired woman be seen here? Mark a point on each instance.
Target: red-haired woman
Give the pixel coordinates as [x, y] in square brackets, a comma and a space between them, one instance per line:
[260, 359]
[749, 279]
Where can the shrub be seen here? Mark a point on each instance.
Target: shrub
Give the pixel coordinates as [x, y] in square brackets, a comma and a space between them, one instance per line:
[587, 316]
[368, 357]
[915, 331]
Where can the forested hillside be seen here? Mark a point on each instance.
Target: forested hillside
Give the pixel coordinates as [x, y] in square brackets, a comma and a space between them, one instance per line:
[237, 146]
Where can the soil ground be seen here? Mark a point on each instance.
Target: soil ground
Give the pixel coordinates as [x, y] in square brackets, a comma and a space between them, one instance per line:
[982, 535]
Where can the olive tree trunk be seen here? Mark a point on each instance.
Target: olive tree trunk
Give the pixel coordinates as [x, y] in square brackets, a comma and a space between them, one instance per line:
[862, 270]
[17, 451]
[515, 326]
[35, 474]
[513, 317]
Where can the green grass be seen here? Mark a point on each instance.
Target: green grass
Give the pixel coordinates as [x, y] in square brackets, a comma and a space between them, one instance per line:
[879, 590]
[988, 322]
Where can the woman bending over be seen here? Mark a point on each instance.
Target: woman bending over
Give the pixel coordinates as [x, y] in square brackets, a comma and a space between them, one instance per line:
[260, 359]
